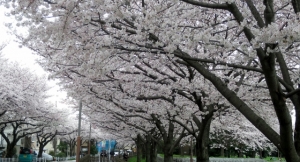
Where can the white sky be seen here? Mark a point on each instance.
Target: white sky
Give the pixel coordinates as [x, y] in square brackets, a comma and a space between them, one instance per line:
[23, 55]
[12, 50]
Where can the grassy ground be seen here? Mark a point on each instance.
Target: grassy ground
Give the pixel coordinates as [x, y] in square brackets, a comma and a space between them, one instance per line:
[268, 159]
[274, 159]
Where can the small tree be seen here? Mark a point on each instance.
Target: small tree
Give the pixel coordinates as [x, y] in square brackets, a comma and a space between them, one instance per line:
[94, 150]
[62, 147]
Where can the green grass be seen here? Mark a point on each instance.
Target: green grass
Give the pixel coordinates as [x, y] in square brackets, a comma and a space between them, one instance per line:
[268, 159]
[273, 159]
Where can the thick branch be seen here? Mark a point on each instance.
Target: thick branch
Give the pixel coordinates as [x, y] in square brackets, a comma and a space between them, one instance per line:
[207, 5]
[292, 93]
[255, 13]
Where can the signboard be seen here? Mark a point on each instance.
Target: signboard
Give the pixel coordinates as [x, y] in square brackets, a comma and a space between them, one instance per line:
[106, 145]
[113, 144]
[99, 146]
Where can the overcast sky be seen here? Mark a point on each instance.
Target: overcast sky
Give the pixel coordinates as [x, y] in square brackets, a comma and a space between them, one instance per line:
[13, 51]
[22, 55]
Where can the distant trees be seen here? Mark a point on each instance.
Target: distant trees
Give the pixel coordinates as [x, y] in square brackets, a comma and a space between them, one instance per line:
[25, 108]
[23, 103]
[246, 52]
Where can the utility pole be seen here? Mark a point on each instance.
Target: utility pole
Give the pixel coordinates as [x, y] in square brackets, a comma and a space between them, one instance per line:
[89, 151]
[78, 137]
[191, 158]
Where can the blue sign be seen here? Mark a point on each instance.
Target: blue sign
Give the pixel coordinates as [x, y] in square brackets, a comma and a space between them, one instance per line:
[113, 144]
[99, 146]
[106, 145]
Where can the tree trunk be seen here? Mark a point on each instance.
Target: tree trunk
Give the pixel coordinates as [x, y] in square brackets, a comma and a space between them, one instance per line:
[139, 149]
[222, 152]
[153, 152]
[252, 154]
[41, 150]
[70, 148]
[260, 154]
[202, 154]
[54, 142]
[202, 139]
[240, 154]
[168, 154]
[191, 147]
[10, 151]
[297, 123]
[181, 151]
[202, 142]
[148, 148]
[143, 151]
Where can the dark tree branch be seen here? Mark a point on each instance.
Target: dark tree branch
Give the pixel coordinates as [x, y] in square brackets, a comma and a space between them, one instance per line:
[207, 5]
[292, 93]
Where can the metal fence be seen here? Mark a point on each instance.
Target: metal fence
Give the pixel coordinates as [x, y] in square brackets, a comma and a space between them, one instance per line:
[9, 159]
[17, 160]
[65, 158]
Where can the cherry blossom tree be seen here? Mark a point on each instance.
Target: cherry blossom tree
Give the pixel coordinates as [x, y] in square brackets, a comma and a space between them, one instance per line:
[57, 126]
[251, 37]
[201, 120]
[23, 103]
[240, 134]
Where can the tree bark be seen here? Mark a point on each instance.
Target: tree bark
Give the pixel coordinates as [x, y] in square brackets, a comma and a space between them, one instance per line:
[191, 148]
[168, 151]
[10, 151]
[222, 152]
[41, 150]
[168, 157]
[297, 122]
[148, 147]
[240, 154]
[139, 149]
[153, 152]
[202, 141]
[54, 142]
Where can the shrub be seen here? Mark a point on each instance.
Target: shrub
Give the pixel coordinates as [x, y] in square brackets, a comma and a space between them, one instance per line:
[52, 153]
[61, 154]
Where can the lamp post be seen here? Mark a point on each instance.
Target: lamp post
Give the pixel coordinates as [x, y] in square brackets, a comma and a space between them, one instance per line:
[78, 137]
